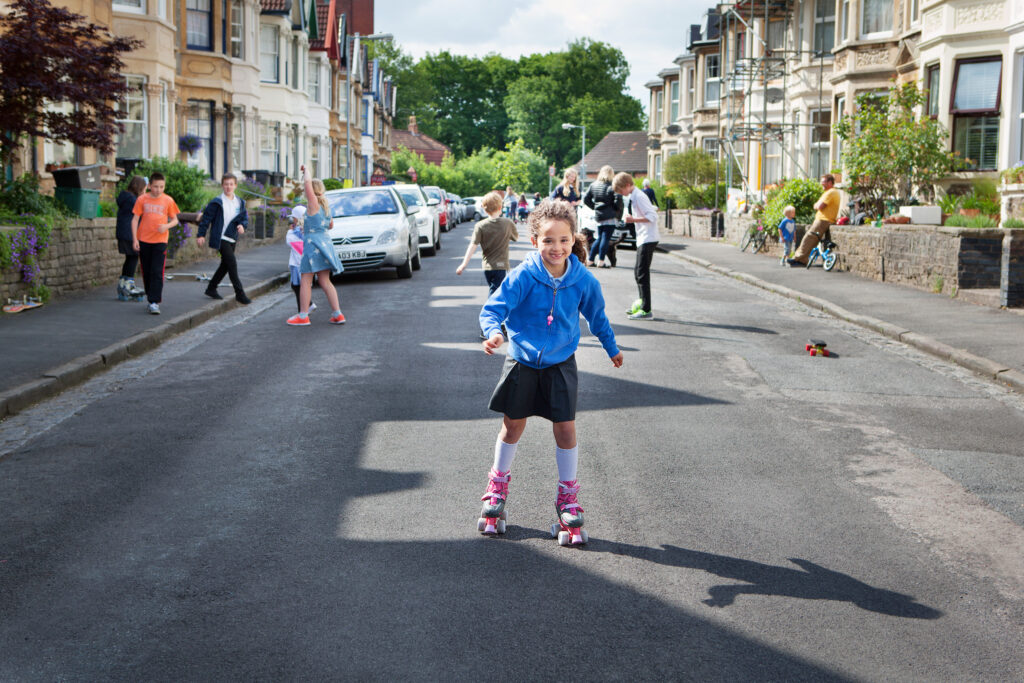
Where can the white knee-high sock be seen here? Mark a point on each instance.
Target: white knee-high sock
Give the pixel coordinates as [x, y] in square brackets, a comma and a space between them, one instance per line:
[567, 458]
[504, 454]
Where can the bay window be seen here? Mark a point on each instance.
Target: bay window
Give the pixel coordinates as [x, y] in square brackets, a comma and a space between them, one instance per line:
[712, 80]
[824, 26]
[975, 109]
[132, 115]
[270, 55]
[199, 24]
[875, 18]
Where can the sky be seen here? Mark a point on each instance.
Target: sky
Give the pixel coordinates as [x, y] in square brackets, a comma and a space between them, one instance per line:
[650, 33]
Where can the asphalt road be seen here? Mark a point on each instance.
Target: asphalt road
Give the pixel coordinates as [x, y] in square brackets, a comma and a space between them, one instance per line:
[253, 501]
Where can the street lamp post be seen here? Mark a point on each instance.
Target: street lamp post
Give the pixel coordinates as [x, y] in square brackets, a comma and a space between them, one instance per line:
[583, 155]
[354, 41]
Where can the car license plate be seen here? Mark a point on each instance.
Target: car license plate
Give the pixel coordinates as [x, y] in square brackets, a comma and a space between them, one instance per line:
[348, 255]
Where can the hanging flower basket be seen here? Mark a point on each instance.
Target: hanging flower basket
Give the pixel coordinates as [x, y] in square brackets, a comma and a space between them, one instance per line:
[189, 144]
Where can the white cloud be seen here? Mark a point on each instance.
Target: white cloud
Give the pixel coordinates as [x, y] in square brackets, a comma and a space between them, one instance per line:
[650, 33]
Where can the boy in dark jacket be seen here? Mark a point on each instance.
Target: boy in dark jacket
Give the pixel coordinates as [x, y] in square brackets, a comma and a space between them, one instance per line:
[226, 219]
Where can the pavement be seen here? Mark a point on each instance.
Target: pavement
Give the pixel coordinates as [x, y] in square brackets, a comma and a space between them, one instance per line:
[982, 339]
[75, 337]
[64, 343]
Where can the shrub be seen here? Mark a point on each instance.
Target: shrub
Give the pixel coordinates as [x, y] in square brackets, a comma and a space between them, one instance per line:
[184, 183]
[980, 221]
[1013, 223]
[698, 197]
[333, 184]
[22, 205]
[802, 193]
[108, 209]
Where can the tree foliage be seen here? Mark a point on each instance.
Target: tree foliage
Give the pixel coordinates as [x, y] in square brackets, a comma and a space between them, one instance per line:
[692, 167]
[800, 193]
[470, 103]
[52, 56]
[889, 152]
[479, 172]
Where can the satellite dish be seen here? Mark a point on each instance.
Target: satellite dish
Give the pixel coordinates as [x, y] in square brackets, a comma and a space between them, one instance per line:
[689, 128]
[773, 95]
[673, 129]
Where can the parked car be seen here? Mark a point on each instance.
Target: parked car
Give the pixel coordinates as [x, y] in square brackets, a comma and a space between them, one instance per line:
[374, 228]
[478, 210]
[455, 204]
[427, 222]
[435, 192]
[471, 209]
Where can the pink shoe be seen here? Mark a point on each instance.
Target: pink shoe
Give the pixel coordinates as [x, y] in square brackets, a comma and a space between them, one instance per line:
[569, 527]
[492, 516]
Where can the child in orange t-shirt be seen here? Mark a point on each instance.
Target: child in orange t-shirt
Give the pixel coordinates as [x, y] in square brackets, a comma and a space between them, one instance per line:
[155, 215]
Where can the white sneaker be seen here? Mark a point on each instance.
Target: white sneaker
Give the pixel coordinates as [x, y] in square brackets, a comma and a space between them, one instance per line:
[312, 307]
[154, 309]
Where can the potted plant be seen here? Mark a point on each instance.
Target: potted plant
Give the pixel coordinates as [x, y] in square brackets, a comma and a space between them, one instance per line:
[189, 144]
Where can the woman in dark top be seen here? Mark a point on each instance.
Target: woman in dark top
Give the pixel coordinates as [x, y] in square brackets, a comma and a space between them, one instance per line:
[607, 206]
[126, 289]
[568, 189]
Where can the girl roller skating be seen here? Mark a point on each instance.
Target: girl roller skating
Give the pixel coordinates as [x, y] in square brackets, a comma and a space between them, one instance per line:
[540, 303]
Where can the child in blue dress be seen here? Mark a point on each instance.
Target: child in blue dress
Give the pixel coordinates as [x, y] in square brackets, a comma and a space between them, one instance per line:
[540, 303]
[318, 255]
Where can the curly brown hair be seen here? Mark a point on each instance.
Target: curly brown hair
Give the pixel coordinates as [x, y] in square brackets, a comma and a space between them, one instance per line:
[554, 210]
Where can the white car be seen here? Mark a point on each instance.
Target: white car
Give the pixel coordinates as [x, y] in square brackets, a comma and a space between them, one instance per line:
[477, 209]
[427, 222]
[373, 228]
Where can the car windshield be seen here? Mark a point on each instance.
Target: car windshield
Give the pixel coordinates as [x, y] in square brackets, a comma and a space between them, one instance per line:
[370, 203]
[433, 193]
[411, 197]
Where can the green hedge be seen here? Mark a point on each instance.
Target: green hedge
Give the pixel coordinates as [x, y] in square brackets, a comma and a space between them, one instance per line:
[801, 193]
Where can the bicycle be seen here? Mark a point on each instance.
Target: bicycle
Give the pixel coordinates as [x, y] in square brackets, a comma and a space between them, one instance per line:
[826, 249]
[755, 237]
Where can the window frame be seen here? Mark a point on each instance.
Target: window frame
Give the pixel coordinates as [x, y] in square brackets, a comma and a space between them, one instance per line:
[712, 80]
[931, 72]
[237, 145]
[313, 81]
[691, 84]
[210, 142]
[270, 131]
[885, 33]
[238, 40]
[961, 117]
[193, 11]
[816, 146]
[824, 21]
[143, 122]
[129, 7]
[844, 21]
[673, 109]
[267, 29]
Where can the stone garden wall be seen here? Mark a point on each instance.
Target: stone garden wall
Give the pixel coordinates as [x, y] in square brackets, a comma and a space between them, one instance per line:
[85, 255]
[930, 257]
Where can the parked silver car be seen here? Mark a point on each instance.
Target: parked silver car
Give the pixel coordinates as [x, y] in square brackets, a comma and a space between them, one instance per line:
[374, 228]
[427, 221]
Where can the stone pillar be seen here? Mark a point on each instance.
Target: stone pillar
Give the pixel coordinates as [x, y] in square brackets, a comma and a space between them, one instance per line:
[1011, 280]
[153, 92]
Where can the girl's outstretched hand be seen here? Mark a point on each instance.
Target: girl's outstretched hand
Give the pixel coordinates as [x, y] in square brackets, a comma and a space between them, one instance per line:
[617, 360]
[494, 343]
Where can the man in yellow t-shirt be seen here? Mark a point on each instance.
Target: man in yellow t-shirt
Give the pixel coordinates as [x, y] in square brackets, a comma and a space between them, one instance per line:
[827, 212]
[155, 215]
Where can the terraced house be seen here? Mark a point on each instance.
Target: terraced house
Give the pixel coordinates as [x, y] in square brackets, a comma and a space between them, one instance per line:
[762, 82]
[263, 84]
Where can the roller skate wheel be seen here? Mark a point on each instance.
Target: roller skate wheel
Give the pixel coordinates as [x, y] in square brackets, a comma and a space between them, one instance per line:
[814, 352]
[555, 528]
[564, 537]
[481, 524]
[825, 353]
[807, 347]
[501, 526]
[585, 535]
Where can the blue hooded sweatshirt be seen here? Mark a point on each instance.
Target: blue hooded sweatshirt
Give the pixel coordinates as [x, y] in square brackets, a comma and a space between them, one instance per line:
[526, 298]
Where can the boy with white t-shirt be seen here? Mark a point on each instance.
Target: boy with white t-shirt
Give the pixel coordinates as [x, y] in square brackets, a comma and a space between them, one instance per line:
[645, 217]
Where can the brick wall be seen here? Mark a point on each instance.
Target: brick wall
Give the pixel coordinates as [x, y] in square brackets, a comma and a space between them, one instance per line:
[85, 255]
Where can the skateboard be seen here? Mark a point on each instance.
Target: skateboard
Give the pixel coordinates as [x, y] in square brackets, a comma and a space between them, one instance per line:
[26, 304]
[198, 276]
[816, 347]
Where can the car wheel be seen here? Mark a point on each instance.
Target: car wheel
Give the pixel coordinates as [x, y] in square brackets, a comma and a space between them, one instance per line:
[416, 261]
[404, 271]
[437, 242]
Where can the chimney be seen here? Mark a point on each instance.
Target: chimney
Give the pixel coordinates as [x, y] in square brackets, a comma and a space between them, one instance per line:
[413, 128]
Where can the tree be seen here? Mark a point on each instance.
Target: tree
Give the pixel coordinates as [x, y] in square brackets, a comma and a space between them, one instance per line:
[692, 167]
[51, 56]
[889, 151]
[519, 167]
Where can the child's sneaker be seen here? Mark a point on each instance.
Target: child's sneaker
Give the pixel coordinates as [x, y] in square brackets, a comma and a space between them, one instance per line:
[154, 309]
[338, 318]
[492, 515]
[641, 315]
[569, 528]
[312, 307]
[298, 319]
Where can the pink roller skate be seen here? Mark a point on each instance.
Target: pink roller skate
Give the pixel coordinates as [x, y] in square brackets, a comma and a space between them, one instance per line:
[569, 527]
[492, 516]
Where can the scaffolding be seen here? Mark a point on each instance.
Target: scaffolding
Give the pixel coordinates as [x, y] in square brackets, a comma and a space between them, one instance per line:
[763, 72]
